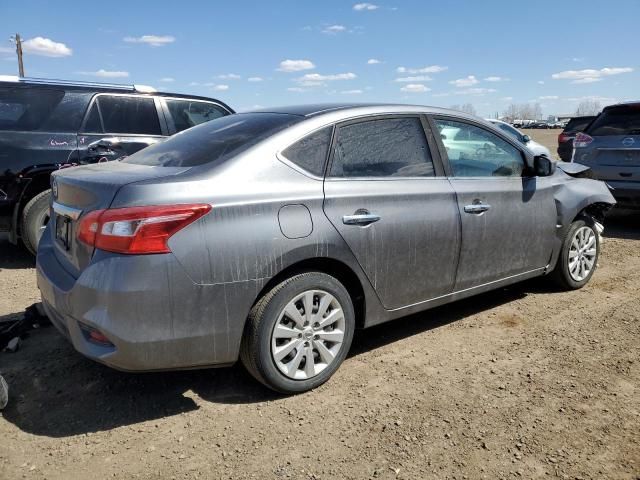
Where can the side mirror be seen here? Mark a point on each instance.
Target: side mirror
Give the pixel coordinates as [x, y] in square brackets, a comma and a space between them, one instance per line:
[543, 166]
[526, 138]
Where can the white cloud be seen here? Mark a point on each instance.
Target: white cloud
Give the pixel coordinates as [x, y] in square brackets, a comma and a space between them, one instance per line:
[590, 75]
[106, 73]
[429, 69]
[360, 7]
[351, 92]
[167, 79]
[541, 82]
[334, 29]
[296, 89]
[506, 99]
[373, 61]
[229, 76]
[464, 82]
[152, 40]
[413, 79]
[255, 79]
[45, 47]
[475, 91]
[548, 97]
[415, 88]
[220, 88]
[315, 79]
[296, 65]
[495, 78]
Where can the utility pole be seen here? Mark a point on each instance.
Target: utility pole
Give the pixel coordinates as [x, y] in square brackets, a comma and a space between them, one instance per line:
[18, 42]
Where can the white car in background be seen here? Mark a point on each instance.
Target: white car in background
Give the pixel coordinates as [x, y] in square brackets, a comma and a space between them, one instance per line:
[535, 147]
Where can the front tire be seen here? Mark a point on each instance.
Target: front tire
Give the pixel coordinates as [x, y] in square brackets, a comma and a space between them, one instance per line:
[35, 217]
[579, 255]
[299, 333]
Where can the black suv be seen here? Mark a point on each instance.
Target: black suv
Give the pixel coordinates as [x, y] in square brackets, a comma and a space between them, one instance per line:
[565, 139]
[46, 125]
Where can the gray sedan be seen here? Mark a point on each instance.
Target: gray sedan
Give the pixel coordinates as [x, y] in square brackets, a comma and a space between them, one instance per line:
[271, 236]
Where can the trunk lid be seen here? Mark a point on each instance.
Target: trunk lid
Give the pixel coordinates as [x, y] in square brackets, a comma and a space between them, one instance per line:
[80, 190]
[613, 157]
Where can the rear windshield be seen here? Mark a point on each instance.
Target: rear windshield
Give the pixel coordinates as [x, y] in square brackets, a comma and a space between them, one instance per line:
[27, 109]
[578, 124]
[623, 120]
[214, 141]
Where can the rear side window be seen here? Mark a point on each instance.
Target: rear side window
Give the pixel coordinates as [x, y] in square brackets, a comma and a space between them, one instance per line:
[27, 109]
[577, 124]
[133, 115]
[187, 114]
[310, 153]
[213, 142]
[393, 147]
[623, 120]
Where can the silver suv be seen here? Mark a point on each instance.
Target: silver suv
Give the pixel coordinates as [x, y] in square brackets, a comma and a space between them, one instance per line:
[611, 147]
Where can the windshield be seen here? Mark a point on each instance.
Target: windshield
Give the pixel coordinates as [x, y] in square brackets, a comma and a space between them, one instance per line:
[578, 124]
[622, 120]
[214, 141]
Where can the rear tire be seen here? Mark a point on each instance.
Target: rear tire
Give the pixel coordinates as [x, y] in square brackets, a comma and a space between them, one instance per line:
[299, 333]
[35, 217]
[579, 255]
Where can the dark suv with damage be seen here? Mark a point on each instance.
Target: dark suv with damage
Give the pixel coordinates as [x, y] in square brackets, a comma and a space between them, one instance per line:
[47, 125]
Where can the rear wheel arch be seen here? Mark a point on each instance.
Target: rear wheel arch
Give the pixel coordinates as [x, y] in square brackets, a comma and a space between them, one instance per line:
[330, 266]
[40, 181]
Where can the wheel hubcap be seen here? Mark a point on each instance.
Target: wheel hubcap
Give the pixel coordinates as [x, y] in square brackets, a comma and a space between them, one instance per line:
[582, 253]
[308, 334]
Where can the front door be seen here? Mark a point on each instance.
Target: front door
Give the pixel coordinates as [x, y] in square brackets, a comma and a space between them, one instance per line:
[385, 195]
[508, 218]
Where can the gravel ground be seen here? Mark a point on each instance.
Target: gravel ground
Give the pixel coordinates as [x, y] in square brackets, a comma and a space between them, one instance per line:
[523, 382]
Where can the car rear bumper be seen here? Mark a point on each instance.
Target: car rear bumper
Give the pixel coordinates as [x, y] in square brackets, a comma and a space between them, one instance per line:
[154, 316]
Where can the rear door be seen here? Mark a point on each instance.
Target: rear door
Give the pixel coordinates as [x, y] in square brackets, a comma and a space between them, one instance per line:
[508, 218]
[183, 113]
[386, 196]
[118, 125]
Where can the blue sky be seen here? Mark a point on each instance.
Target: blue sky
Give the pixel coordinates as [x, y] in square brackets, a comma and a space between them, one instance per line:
[264, 53]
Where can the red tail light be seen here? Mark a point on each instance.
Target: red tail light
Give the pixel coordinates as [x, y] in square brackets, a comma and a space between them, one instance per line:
[563, 138]
[582, 140]
[137, 230]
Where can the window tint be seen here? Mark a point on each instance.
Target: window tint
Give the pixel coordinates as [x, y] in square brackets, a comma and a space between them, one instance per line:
[623, 120]
[187, 114]
[93, 125]
[27, 109]
[310, 153]
[213, 142]
[394, 147]
[135, 115]
[476, 152]
[577, 124]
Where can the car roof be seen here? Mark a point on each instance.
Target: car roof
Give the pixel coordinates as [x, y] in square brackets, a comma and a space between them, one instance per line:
[98, 87]
[349, 109]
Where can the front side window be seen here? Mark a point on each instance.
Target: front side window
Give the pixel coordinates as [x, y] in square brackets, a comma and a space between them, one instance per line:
[475, 152]
[310, 153]
[393, 147]
[188, 113]
[133, 115]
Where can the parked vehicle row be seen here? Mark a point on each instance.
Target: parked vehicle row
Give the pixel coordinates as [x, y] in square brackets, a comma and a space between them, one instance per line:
[48, 125]
[270, 236]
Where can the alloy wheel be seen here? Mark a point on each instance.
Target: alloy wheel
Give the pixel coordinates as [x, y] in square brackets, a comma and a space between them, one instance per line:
[582, 253]
[308, 334]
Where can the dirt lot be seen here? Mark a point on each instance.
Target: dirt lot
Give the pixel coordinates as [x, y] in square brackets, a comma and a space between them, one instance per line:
[523, 382]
